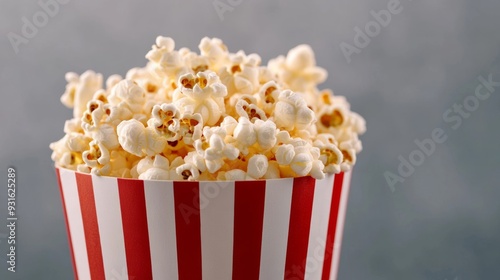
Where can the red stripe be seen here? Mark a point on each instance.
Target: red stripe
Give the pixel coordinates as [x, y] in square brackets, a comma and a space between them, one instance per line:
[187, 228]
[67, 224]
[298, 231]
[249, 200]
[135, 228]
[332, 225]
[90, 226]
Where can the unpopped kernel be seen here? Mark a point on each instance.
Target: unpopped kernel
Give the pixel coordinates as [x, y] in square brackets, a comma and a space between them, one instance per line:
[209, 115]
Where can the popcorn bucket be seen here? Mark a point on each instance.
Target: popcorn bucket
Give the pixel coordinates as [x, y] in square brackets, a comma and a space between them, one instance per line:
[287, 228]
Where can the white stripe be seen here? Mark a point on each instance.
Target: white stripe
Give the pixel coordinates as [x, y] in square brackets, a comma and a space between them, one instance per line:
[161, 227]
[277, 206]
[217, 225]
[75, 221]
[109, 218]
[346, 184]
[319, 227]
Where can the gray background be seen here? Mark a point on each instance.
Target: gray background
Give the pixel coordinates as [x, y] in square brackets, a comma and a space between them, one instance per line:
[441, 223]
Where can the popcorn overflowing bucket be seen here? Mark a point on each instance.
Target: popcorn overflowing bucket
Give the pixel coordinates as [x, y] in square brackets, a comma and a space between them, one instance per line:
[287, 228]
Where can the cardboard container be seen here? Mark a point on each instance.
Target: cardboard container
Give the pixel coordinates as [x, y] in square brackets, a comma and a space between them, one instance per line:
[263, 229]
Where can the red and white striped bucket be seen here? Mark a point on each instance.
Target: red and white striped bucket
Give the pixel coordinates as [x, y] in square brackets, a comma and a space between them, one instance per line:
[264, 229]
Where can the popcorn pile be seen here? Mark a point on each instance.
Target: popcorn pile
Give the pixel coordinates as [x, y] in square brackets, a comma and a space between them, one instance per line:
[210, 116]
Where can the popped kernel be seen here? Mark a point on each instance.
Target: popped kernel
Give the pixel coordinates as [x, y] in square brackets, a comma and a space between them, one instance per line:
[249, 111]
[127, 92]
[291, 112]
[298, 70]
[97, 158]
[214, 149]
[165, 120]
[268, 96]
[139, 140]
[257, 166]
[202, 93]
[215, 50]
[188, 171]
[158, 168]
[244, 135]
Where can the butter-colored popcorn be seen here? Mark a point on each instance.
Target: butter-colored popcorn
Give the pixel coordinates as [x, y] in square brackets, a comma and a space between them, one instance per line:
[298, 70]
[165, 120]
[67, 151]
[80, 90]
[121, 163]
[349, 156]
[216, 52]
[214, 150]
[111, 81]
[244, 72]
[145, 78]
[268, 96]
[139, 140]
[93, 116]
[330, 156]
[158, 168]
[249, 111]
[73, 125]
[166, 62]
[332, 118]
[94, 123]
[106, 135]
[97, 158]
[291, 112]
[229, 124]
[77, 142]
[215, 115]
[190, 128]
[202, 93]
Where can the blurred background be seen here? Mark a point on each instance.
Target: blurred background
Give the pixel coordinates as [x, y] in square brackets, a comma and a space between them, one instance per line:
[441, 222]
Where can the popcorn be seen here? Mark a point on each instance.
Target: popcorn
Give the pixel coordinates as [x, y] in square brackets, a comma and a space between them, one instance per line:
[212, 115]
[80, 90]
[202, 93]
[266, 133]
[188, 171]
[166, 62]
[257, 166]
[249, 111]
[165, 120]
[138, 140]
[273, 171]
[97, 158]
[63, 155]
[215, 50]
[244, 135]
[291, 111]
[233, 175]
[128, 93]
[158, 168]
[214, 149]
[298, 70]
[268, 96]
